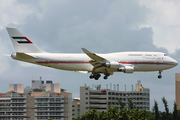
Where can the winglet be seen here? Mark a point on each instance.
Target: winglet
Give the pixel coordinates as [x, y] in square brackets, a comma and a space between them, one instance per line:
[85, 50]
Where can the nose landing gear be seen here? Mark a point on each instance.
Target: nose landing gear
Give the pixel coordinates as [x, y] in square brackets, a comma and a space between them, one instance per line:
[160, 76]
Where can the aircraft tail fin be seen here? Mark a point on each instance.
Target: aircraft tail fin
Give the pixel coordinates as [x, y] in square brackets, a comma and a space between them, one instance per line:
[21, 43]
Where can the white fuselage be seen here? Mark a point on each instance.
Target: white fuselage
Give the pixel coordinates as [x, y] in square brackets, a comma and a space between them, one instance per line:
[141, 61]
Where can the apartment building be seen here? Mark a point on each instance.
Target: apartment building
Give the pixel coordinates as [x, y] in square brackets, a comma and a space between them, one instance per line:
[177, 75]
[101, 99]
[48, 103]
[75, 107]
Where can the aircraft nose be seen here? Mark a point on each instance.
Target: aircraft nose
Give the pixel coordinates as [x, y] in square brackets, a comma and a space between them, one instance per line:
[175, 62]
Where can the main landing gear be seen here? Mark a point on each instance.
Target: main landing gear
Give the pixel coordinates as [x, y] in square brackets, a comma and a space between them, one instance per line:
[160, 76]
[96, 76]
[106, 76]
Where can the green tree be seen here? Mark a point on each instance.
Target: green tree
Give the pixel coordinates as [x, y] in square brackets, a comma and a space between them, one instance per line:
[156, 110]
[122, 105]
[149, 115]
[49, 119]
[91, 114]
[167, 117]
[29, 93]
[163, 116]
[130, 104]
[175, 112]
[113, 113]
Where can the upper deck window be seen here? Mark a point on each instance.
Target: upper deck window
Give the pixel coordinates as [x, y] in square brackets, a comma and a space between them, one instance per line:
[165, 54]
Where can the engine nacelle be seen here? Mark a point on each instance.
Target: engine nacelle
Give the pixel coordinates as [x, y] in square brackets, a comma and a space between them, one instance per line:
[112, 64]
[126, 69]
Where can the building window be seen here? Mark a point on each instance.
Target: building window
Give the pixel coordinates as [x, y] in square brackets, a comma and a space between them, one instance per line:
[86, 93]
[72, 114]
[86, 107]
[73, 110]
[72, 105]
[86, 88]
[86, 98]
[86, 102]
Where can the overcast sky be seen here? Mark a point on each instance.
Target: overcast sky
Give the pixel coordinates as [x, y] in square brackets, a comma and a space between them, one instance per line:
[104, 26]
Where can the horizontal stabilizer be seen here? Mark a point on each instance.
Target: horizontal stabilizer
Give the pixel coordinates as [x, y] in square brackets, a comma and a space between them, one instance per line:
[25, 56]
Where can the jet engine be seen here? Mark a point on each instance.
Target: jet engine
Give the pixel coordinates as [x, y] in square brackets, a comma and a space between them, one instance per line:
[126, 69]
[112, 64]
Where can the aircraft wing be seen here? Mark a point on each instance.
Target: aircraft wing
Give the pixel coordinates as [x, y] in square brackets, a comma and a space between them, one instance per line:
[97, 61]
[93, 55]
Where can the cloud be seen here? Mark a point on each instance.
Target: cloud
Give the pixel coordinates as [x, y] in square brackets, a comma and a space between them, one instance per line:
[101, 27]
[4, 59]
[164, 18]
[13, 13]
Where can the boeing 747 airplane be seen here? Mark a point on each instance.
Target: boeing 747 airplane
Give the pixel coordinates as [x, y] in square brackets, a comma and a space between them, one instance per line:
[97, 64]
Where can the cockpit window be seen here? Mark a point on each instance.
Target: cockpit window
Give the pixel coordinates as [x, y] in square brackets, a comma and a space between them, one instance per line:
[165, 54]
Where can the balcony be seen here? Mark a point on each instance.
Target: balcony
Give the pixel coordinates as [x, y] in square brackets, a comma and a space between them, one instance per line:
[41, 105]
[18, 110]
[98, 105]
[18, 114]
[41, 101]
[16, 105]
[13, 114]
[56, 114]
[56, 101]
[98, 101]
[49, 96]
[58, 118]
[18, 101]
[56, 105]
[41, 114]
[56, 110]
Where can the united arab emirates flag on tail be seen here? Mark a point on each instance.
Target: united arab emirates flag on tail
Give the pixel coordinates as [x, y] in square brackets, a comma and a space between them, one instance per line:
[22, 40]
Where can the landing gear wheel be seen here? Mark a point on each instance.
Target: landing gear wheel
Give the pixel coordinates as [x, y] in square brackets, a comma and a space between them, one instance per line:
[105, 77]
[91, 76]
[107, 74]
[97, 76]
[159, 76]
